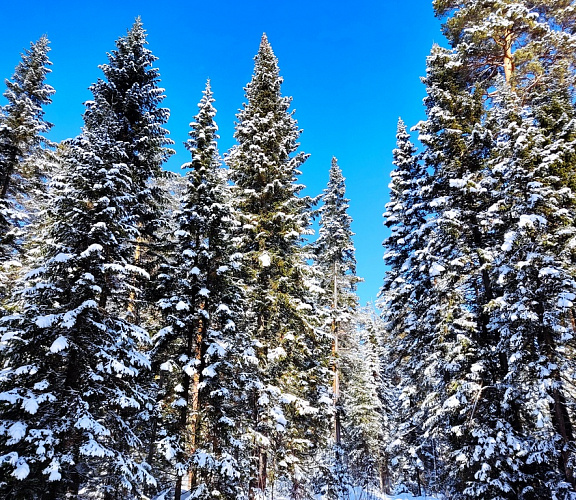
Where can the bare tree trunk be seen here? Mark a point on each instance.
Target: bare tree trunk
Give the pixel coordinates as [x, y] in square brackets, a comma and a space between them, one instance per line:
[508, 57]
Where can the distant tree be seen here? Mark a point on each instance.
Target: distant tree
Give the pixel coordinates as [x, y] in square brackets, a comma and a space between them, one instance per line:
[335, 263]
[364, 405]
[288, 397]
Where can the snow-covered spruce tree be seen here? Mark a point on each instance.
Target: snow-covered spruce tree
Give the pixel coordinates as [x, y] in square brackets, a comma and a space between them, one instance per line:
[447, 334]
[401, 303]
[533, 266]
[70, 384]
[22, 159]
[335, 264]
[288, 397]
[81, 381]
[199, 351]
[363, 405]
[130, 96]
[474, 322]
[530, 46]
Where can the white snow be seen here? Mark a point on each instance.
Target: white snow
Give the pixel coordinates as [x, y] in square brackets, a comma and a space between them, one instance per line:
[62, 257]
[182, 306]
[21, 472]
[529, 220]
[565, 300]
[16, 432]
[59, 344]
[508, 241]
[45, 321]
[94, 248]
[436, 269]
[265, 259]
[209, 371]
[30, 405]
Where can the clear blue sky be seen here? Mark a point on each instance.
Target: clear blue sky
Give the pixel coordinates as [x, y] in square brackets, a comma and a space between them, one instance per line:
[352, 69]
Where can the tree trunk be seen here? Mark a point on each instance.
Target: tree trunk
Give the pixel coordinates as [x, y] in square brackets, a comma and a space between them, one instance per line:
[8, 174]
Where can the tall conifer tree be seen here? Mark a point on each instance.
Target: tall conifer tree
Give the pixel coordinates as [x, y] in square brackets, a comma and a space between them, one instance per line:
[288, 395]
[497, 250]
[335, 263]
[200, 350]
[72, 404]
[22, 129]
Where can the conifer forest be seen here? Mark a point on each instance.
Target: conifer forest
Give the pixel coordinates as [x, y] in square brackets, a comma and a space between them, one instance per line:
[169, 336]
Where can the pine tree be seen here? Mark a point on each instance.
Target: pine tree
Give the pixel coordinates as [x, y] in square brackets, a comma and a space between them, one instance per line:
[528, 43]
[22, 162]
[288, 395]
[200, 349]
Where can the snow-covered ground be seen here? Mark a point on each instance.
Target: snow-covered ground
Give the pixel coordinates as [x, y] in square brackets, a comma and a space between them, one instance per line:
[354, 494]
[359, 494]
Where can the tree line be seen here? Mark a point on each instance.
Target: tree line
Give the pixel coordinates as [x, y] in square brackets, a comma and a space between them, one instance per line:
[163, 333]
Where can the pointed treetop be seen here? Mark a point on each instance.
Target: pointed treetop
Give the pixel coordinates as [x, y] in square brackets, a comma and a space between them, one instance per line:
[27, 92]
[137, 26]
[334, 167]
[403, 138]
[265, 57]
[207, 93]
[265, 46]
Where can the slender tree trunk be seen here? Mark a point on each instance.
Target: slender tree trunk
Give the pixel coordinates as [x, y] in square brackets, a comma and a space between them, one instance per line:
[508, 57]
[262, 470]
[194, 426]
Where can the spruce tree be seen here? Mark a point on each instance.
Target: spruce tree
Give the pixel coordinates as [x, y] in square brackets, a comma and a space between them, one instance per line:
[127, 102]
[22, 159]
[200, 349]
[494, 243]
[287, 398]
[70, 384]
[335, 263]
[74, 405]
[402, 304]
[363, 404]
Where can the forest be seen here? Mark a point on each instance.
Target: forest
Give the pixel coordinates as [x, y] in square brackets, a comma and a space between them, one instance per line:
[167, 336]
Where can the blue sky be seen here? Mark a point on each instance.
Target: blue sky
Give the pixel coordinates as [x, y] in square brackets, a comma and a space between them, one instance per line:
[352, 69]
